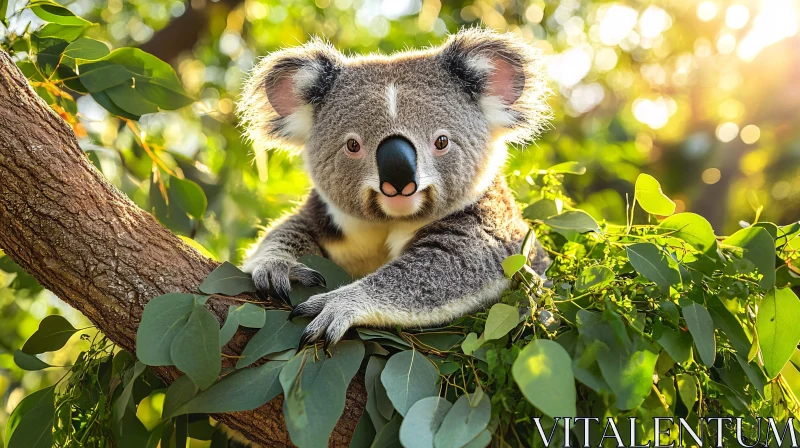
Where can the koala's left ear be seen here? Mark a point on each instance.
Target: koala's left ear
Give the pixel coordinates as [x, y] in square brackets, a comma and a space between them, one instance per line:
[504, 76]
[278, 100]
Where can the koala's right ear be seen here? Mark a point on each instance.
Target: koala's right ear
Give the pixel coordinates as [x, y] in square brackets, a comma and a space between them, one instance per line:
[278, 100]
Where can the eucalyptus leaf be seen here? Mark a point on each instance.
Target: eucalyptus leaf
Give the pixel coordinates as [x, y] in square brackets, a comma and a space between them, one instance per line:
[513, 264]
[277, 334]
[540, 210]
[573, 221]
[163, 318]
[196, 348]
[677, 343]
[759, 248]
[371, 380]
[543, 372]
[422, 422]
[568, 168]
[691, 228]
[464, 421]
[315, 391]
[594, 277]
[409, 377]
[653, 264]
[228, 280]
[502, 319]
[778, 332]
[31, 422]
[242, 390]
[702, 328]
[53, 333]
[629, 374]
[29, 362]
[189, 196]
[650, 197]
[687, 389]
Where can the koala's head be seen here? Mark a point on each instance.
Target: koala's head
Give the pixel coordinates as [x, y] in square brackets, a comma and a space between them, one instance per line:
[409, 136]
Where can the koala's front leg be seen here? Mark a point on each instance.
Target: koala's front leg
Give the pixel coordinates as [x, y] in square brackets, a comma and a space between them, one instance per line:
[441, 276]
[274, 264]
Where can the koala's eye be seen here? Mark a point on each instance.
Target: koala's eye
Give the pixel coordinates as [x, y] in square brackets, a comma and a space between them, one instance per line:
[441, 142]
[353, 146]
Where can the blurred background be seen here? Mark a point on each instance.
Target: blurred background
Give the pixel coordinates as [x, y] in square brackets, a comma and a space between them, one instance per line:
[704, 95]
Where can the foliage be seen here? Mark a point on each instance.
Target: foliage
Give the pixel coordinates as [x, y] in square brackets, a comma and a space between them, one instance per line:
[634, 314]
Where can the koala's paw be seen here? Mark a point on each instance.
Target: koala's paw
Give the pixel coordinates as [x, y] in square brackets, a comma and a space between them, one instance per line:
[273, 276]
[335, 312]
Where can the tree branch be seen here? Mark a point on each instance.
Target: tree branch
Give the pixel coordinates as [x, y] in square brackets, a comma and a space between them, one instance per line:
[88, 243]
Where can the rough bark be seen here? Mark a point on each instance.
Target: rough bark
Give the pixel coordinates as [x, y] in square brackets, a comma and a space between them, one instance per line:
[92, 246]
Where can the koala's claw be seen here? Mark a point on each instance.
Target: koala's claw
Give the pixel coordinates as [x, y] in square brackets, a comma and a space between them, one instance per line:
[274, 276]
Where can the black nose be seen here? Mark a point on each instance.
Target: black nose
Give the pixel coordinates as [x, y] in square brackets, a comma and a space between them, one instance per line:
[397, 167]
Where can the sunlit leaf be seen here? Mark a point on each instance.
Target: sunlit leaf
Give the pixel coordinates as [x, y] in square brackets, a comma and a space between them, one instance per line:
[778, 332]
[594, 277]
[502, 319]
[53, 333]
[543, 372]
[513, 264]
[653, 264]
[189, 196]
[702, 329]
[651, 198]
[573, 221]
[692, 228]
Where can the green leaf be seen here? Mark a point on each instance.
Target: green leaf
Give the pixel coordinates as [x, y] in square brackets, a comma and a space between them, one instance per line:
[409, 377]
[677, 343]
[189, 196]
[513, 264]
[368, 334]
[502, 319]
[630, 375]
[314, 392]
[364, 434]
[471, 343]
[692, 228]
[540, 210]
[568, 168]
[335, 277]
[124, 404]
[443, 342]
[594, 277]
[543, 372]
[277, 334]
[702, 328]
[87, 49]
[778, 332]
[127, 98]
[423, 420]
[247, 315]
[389, 436]
[29, 362]
[179, 393]
[728, 324]
[162, 319]
[371, 383]
[464, 422]
[573, 221]
[53, 333]
[653, 264]
[242, 390]
[32, 416]
[55, 13]
[196, 348]
[68, 33]
[153, 79]
[650, 197]
[31, 423]
[759, 248]
[687, 389]
[228, 280]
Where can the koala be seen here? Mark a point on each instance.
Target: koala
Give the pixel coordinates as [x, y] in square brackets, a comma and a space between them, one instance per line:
[405, 154]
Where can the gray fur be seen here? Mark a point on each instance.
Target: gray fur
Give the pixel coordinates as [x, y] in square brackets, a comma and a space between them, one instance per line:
[423, 267]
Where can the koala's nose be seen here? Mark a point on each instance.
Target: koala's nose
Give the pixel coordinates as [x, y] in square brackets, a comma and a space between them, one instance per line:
[397, 167]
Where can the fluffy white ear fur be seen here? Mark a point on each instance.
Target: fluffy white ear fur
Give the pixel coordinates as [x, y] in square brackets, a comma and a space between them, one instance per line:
[505, 76]
[276, 105]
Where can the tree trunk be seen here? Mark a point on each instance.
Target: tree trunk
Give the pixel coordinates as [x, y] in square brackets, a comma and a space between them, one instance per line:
[88, 243]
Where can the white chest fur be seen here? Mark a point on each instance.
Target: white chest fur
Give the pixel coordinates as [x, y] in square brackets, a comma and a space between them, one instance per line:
[365, 246]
